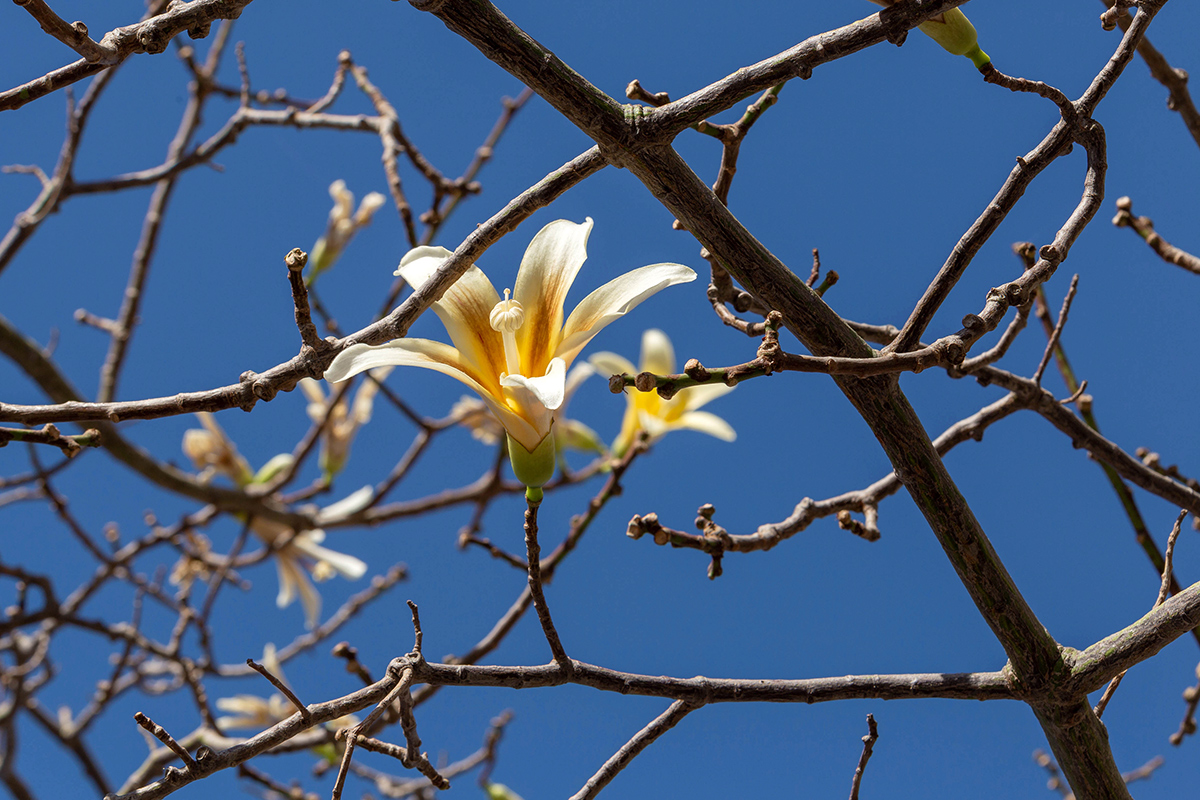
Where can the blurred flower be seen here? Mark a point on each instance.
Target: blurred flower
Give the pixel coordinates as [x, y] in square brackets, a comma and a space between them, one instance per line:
[953, 31]
[295, 555]
[514, 352]
[474, 415]
[300, 556]
[344, 222]
[345, 418]
[213, 453]
[498, 791]
[646, 411]
[257, 713]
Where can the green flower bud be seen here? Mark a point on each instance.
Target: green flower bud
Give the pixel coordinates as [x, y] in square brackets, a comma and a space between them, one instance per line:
[956, 35]
[954, 32]
[498, 791]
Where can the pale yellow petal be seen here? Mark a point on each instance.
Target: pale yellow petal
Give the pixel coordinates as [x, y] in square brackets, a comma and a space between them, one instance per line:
[658, 356]
[697, 396]
[547, 271]
[708, 423]
[613, 300]
[465, 309]
[411, 353]
[345, 565]
[439, 357]
[608, 364]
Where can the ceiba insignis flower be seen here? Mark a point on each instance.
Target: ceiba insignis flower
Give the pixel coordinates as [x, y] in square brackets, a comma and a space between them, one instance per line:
[646, 411]
[296, 554]
[954, 32]
[344, 223]
[344, 419]
[514, 351]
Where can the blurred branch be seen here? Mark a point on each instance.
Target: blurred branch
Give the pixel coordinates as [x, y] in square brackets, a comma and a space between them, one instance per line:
[1175, 79]
[1144, 227]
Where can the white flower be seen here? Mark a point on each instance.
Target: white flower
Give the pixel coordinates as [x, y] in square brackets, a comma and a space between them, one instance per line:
[213, 451]
[646, 411]
[345, 418]
[300, 556]
[256, 713]
[515, 352]
[344, 222]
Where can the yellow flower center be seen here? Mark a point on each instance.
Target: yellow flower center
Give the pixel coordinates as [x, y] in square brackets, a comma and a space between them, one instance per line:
[507, 317]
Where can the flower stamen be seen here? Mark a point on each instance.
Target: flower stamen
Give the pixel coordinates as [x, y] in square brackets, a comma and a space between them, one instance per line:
[507, 317]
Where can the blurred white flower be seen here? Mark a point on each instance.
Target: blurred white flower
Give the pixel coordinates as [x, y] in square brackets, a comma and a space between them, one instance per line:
[296, 555]
[344, 222]
[345, 418]
[257, 713]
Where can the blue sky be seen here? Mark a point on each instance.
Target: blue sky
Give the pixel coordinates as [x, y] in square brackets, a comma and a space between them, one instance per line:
[880, 160]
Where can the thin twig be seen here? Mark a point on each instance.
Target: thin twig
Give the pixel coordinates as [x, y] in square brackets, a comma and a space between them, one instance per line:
[534, 557]
[868, 748]
[630, 750]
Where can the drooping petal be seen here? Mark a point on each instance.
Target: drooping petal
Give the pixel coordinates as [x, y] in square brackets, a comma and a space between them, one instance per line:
[465, 309]
[706, 422]
[439, 357]
[537, 398]
[345, 565]
[609, 364]
[547, 271]
[658, 356]
[613, 300]
[410, 353]
[550, 390]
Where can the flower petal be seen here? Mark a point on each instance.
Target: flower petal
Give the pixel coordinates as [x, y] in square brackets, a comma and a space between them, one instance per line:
[547, 271]
[537, 398]
[350, 504]
[658, 356]
[549, 389]
[706, 422]
[465, 309]
[613, 300]
[609, 364]
[697, 396]
[410, 353]
[345, 565]
[439, 357]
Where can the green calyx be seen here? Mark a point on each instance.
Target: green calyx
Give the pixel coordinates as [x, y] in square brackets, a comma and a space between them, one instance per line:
[956, 35]
[536, 468]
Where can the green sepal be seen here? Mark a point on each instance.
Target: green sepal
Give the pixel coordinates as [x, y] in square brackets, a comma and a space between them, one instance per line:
[534, 469]
[269, 470]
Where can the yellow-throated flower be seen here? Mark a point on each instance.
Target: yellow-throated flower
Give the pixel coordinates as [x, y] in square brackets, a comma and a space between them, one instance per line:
[514, 351]
[646, 411]
[954, 32]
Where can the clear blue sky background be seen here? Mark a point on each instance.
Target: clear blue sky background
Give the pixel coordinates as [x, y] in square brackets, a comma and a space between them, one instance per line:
[881, 160]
